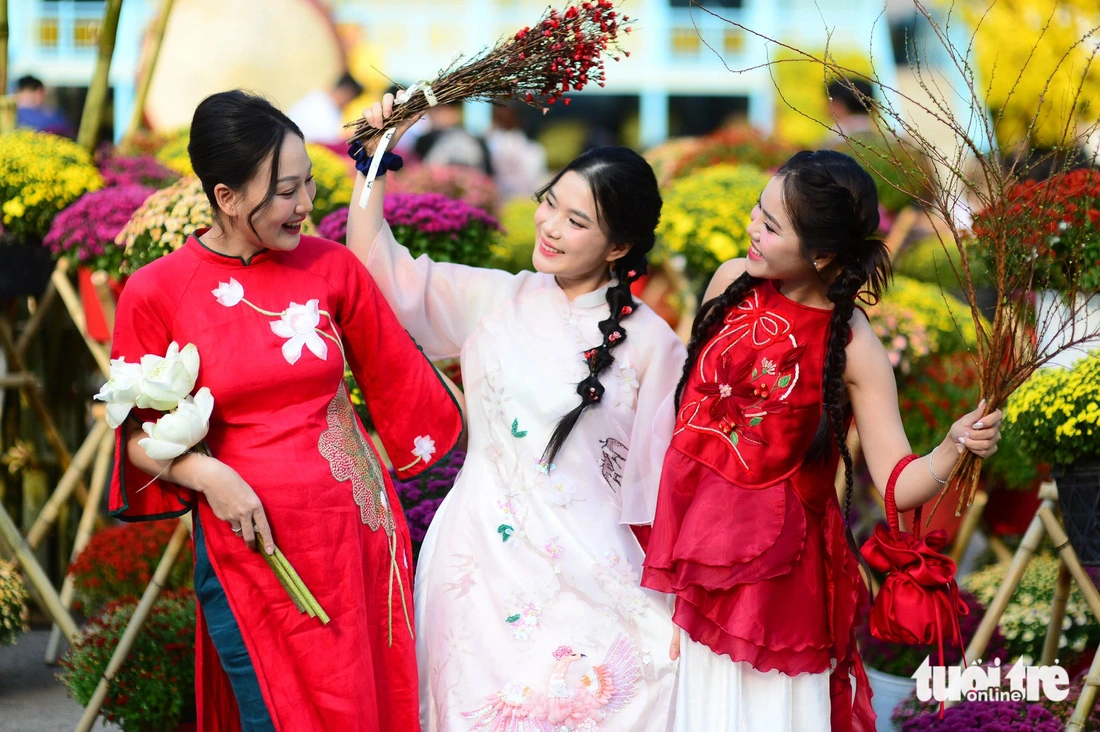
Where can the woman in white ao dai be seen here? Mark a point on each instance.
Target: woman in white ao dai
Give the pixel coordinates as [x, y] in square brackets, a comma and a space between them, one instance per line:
[529, 615]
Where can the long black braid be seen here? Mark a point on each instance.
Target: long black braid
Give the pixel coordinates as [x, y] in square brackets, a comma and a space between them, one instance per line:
[626, 270]
[628, 204]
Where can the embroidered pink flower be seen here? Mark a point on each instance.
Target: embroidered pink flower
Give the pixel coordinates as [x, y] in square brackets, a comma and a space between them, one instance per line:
[229, 293]
[554, 549]
[424, 448]
[298, 324]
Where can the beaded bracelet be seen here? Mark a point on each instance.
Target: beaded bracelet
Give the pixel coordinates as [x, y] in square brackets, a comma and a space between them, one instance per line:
[932, 472]
[390, 161]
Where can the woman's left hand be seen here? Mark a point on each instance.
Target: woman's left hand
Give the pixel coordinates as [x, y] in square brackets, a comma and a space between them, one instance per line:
[977, 432]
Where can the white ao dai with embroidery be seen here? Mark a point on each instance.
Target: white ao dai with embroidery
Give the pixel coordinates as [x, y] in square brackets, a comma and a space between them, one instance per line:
[529, 615]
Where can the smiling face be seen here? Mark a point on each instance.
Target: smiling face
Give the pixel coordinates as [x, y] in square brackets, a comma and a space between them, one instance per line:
[775, 250]
[278, 225]
[569, 241]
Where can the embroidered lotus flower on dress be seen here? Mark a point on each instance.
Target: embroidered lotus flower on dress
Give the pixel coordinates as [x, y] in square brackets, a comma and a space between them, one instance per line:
[229, 293]
[299, 324]
[424, 447]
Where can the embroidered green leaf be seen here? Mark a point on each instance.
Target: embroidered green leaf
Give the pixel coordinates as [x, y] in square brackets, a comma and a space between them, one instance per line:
[505, 532]
[754, 373]
[783, 381]
[512, 618]
[734, 438]
[516, 431]
[755, 421]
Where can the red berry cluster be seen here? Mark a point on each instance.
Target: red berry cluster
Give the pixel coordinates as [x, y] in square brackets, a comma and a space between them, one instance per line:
[566, 49]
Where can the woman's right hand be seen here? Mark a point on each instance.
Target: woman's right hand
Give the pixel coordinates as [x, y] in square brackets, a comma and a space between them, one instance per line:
[233, 500]
[376, 116]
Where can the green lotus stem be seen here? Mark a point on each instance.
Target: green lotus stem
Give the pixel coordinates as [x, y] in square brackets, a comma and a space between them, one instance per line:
[285, 581]
[307, 596]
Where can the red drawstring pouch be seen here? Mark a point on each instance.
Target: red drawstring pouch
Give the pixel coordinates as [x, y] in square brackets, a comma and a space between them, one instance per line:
[919, 601]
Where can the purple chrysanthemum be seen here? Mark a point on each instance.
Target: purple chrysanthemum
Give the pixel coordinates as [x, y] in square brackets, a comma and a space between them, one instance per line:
[85, 231]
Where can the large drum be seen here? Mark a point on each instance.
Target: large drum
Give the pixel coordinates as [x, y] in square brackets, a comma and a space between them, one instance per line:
[282, 49]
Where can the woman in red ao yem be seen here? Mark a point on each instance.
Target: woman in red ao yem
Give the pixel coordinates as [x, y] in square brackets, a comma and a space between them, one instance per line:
[277, 317]
[749, 535]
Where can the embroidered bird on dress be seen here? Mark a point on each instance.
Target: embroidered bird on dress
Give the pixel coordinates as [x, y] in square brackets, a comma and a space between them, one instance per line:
[603, 691]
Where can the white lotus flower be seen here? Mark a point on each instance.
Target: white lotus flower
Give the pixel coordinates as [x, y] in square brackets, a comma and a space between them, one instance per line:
[121, 391]
[229, 293]
[169, 379]
[181, 429]
[424, 448]
[299, 325]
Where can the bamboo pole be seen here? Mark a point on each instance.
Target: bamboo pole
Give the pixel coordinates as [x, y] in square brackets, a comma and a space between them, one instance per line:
[141, 614]
[1069, 556]
[67, 484]
[34, 400]
[71, 298]
[4, 32]
[47, 595]
[35, 322]
[1028, 546]
[84, 530]
[968, 526]
[97, 90]
[1057, 615]
[1087, 700]
[146, 78]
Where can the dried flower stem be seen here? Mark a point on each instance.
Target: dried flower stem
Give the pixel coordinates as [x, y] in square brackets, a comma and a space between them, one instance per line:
[561, 53]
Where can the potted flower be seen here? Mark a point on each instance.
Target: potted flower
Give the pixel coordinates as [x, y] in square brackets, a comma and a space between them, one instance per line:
[1003, 716]
[740, 145]
[453, 181]
[129, 170]
[84, 233]
[13, 604]
[705, 216]
[1024, 622]
[446, 229]
[40, 174]
[890, 666]
[1054, 416]
[155, 688]
[119, 562]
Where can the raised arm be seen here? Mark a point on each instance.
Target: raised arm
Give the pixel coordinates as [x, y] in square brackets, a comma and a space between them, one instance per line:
[439, 303]
[874, 398]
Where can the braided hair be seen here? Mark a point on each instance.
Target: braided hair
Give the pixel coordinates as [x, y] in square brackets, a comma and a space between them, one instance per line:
[833, 207]
[628, 207]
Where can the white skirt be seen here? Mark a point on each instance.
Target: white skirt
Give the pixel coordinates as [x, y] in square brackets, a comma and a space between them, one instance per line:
[717, 694]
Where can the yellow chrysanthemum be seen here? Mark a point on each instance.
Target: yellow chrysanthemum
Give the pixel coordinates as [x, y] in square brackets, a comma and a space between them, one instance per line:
[41, 174]
[705, 216]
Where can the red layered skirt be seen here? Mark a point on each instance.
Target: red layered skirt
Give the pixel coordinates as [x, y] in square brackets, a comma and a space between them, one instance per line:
[764, 575]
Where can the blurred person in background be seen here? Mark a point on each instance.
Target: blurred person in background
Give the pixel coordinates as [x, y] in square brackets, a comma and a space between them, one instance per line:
[32, 111]
[320, 114]
[448, 143]
[848, 108]
[519, 161]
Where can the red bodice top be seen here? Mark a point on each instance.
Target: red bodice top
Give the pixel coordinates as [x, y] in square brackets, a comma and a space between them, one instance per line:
[748, 535]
